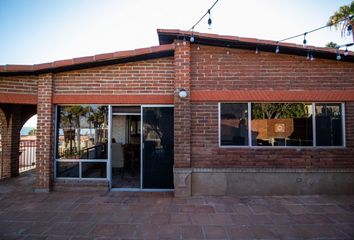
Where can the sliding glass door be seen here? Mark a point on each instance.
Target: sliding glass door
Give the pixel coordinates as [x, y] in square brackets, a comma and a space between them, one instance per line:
[157, 147]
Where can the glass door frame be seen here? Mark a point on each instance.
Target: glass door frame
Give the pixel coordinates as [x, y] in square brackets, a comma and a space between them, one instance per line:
[142, 150]
[109, 173]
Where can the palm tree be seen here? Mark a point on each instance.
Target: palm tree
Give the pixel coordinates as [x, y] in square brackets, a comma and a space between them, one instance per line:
[332, 45]
[345, 12]
[78, 112]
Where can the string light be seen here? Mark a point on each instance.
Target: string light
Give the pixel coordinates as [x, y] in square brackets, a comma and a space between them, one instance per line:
[209, 20]
[192, 36]
[349, 29]
[346, 52]
[311, 57]
[305, 41]
[338, 55]
[317, 29]
[277, 49]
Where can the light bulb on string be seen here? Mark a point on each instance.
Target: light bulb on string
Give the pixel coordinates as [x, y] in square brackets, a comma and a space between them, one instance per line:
[191, 39]
[209, 20]
[184, 40]
[346, 52]
[308, 56]
[338, 55]
[277, 49]
[304, 41]
[257, 50]
[349, 29]
[311, 57]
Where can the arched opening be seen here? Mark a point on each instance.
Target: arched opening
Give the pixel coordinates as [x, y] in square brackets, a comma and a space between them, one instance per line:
[27, 154]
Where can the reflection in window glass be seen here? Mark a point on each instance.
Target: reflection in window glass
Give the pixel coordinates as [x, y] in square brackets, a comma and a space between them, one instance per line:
[82, 132]
[68, 169]
[234, 124]
[329, 129]
[282, 124]
[94, 170]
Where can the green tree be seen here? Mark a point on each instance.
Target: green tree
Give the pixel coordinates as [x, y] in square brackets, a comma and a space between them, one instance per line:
[70, 118]
[344, 12]
[278, 110]
[32, 132]
[332, 45]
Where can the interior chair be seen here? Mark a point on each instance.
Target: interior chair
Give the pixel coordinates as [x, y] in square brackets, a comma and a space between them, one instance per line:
[118, 157]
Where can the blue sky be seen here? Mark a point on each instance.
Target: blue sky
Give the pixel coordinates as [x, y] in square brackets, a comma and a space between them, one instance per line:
[37, 31]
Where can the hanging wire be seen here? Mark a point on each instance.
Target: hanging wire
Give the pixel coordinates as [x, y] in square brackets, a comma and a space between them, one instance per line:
[207, 12]
[316, 29]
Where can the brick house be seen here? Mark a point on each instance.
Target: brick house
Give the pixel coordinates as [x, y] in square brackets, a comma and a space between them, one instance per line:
[212, 117]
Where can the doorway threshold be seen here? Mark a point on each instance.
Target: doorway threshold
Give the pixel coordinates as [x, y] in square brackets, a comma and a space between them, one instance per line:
[125, 189]
[140, 190]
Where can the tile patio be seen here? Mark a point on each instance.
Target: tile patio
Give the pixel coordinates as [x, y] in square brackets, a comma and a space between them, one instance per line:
[134, 215]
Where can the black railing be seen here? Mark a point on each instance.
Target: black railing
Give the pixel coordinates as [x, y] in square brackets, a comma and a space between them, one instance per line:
[27, 156]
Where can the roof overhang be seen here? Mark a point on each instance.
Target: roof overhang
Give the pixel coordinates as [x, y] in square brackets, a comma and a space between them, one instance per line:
[90, 61]
[168, 36]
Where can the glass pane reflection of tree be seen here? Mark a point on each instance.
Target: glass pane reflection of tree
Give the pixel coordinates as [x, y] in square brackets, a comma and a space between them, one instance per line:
[282, 124]
[82, 132]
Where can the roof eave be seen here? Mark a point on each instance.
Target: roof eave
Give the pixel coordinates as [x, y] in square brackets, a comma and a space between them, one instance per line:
[89, 61]
[168, 36]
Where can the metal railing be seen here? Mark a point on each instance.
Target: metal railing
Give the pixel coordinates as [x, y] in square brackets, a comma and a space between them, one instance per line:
[27, 156]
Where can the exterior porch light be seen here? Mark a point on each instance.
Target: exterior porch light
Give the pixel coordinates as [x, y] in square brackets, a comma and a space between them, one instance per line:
[182, 93]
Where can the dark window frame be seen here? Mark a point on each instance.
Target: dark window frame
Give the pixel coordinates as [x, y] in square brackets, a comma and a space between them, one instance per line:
[314, 145]
[80, 161]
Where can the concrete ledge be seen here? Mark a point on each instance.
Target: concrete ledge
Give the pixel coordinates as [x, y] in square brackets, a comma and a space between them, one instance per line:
[81, 185]
[262, 181]
[270, 170]
[182, 182]
[41, 190]
[254, 181]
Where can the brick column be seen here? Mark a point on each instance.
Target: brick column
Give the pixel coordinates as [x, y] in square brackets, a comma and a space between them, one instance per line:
[45, 117]
[10, 140]
[182, 121]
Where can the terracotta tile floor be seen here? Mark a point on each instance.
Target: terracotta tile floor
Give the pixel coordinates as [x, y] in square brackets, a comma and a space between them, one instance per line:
[134, 215]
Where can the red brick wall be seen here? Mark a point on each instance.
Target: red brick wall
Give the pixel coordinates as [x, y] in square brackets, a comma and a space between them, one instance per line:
[45, 135]
[206, 153]
[153, 76]
[182, 111]
[213, 69]
[19, 84]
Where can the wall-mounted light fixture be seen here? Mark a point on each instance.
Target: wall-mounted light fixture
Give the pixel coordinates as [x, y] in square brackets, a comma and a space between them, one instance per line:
[182, 93]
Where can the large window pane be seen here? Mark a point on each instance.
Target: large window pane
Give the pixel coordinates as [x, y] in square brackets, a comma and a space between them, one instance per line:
[94, 170]
[282, 124]
[68, 169]
[234, 124]
[82, 132]
[329, 129]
